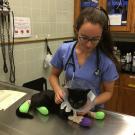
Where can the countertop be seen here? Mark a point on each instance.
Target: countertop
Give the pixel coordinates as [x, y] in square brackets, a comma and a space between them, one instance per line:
[10, 124]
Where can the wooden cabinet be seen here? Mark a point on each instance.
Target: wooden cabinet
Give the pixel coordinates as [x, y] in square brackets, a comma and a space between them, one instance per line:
[77, 7]
[129, 27]
[130, 9]
[123, 99]
[126, 100]
[133, 18]
[127, 81]
[127, 95]
[111, 105]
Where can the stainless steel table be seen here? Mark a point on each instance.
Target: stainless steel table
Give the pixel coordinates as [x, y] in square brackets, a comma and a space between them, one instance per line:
[10, 124]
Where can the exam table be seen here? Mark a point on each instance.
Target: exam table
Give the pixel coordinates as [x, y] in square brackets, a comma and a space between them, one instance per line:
[10, 124]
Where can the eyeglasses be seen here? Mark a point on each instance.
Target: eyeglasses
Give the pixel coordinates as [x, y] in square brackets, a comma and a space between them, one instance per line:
[86, 39]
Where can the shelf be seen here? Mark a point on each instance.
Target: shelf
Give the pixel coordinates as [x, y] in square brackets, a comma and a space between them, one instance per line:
[123, 37]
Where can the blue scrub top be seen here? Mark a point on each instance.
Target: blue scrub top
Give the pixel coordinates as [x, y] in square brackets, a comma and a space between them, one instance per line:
[86, 72]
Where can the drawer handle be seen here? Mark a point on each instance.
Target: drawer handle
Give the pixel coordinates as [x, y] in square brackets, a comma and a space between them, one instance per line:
[131, 85]
[132, 77]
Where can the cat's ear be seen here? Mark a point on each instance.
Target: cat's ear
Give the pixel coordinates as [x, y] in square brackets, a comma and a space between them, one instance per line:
[70, 90]
[88, 90]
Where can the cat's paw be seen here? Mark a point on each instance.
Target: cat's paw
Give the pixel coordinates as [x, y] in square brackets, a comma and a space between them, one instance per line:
[43, 110]
[24, 108]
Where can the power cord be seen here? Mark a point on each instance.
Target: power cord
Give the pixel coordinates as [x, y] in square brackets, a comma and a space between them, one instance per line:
[5, 22]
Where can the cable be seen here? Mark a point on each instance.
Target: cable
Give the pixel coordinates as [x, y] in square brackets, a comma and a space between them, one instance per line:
[6, 24]
[48, 49]
[3, 49]
[12, 64]
[10, 49]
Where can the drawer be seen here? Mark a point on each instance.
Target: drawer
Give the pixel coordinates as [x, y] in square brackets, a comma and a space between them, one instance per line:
[127, 80]
[117, 82]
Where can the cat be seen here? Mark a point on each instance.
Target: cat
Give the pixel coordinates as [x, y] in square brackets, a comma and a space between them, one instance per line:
[76, 98]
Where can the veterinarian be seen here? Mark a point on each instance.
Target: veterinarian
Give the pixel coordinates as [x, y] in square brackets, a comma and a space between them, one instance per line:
[89, 58]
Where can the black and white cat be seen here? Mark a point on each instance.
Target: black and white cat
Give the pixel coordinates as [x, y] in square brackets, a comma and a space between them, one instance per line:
[77, 98]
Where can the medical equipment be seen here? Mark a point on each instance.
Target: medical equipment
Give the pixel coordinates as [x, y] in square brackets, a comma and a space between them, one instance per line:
[72, 62]
[6, 41]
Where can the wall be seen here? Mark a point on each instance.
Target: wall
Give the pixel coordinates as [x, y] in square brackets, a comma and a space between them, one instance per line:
[53, 17]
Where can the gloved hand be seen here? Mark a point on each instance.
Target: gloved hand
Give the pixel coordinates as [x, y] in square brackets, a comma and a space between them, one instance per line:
[65, 105]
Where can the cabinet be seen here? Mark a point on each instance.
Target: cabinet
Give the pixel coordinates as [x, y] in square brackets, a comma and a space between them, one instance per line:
[127, 95]
[112, 104]
[129, 27]
[77, 7]
[126, 103]
[123, 99]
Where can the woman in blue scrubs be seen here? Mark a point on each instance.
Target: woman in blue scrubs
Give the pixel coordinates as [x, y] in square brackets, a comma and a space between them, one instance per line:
[91, 55]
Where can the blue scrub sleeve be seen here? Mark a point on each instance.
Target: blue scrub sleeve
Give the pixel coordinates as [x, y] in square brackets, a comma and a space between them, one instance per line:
[57, 59]
[110, 73]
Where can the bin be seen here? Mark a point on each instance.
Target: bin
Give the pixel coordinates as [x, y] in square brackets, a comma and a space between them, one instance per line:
[39, 84]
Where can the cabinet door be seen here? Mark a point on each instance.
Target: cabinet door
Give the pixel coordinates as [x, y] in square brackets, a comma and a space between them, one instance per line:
[129, 26]
[127, 81]
[117, 9]
[77, 7]
[126, 103]
[133, 18]
[111, 105]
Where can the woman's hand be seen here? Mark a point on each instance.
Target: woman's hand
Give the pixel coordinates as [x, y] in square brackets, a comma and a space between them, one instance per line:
[59, 96]
[54, 82]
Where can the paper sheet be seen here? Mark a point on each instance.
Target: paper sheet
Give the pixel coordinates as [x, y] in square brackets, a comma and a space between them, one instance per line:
[115, 19]
[9, 97]
[22, 27]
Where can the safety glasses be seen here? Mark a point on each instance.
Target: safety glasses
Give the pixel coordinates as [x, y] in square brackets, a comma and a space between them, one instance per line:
[93, 40]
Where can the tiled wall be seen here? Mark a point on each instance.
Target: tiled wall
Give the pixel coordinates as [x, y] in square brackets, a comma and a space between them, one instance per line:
[54, 17]
[29, 61]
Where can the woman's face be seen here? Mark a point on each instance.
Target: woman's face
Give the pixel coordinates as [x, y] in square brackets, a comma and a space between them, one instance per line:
[89, 35]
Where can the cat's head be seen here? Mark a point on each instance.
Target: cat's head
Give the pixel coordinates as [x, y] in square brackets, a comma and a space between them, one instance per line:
[77, 97]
